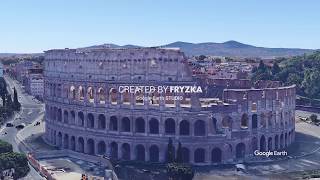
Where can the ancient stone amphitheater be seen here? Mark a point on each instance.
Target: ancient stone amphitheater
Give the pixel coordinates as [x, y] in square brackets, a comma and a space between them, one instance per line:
[226, 123]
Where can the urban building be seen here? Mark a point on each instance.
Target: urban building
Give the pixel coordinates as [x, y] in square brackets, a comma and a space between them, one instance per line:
[35, 81]
[85, 112]
[1, 69]
[21, 71]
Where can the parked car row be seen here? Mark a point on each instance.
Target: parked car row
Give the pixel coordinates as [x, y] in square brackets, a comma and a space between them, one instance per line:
[19, 126]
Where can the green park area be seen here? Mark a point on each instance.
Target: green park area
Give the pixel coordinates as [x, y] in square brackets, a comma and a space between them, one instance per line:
[10, 159]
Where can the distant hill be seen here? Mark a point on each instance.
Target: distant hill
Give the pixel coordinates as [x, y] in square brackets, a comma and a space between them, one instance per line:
[111, 46]
[228, 48]
[234, 48]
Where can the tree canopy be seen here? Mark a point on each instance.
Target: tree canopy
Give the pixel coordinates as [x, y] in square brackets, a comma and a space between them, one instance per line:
[303, 71]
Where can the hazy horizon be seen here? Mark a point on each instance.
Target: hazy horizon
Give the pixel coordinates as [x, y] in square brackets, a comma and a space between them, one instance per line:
[35, 26]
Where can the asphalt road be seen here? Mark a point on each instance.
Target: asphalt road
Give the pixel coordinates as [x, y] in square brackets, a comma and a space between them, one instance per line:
[31, 109]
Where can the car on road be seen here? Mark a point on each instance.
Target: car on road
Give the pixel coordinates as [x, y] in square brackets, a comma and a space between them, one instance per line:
[241, 168]
[21, 126]
[9, 125]
[37, 123]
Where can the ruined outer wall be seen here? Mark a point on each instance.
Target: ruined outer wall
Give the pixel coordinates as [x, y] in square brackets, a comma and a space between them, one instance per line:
[84, 114]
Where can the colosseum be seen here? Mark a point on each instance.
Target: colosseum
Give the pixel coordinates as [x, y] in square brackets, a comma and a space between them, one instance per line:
[225, 123]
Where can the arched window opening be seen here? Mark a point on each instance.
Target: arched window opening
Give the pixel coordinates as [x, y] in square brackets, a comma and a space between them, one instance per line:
[72, 94]
[101, 122]
[126, 151]
[126, 97]
[240, 150]
[169, 101]
[184, 128]
[139, 98]
[170, 126]
[216, 155]
[80, 118]
[199, 155]
[227, 122]
[90, 94]
[154, 99]
[125, 124]
[154, 153]
[90, 120]
[101, 96]
[140, 125]
[244, 121]
[254, 121]
[113, 96]
[154, 126]
[113, 126]
[140, 153]
[81, 93]
[199, 128]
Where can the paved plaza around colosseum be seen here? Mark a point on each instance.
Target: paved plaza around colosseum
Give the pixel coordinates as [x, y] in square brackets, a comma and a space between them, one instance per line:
[305, 155]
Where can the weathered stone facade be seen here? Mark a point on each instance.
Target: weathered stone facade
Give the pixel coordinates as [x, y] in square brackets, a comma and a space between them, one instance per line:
[86, 113]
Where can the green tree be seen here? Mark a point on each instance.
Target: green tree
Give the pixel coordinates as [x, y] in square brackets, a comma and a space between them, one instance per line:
[202, 57]
[275, 68]
[314, 118]
[262, 67]
[16, 102]
[3, 86]
[170, 152]
[294, 79]
[178, 171]
[3, 97]
[14, 160]
[5, 147]
[9, 102]
[262, 72]
[179, 156]
[311, 83]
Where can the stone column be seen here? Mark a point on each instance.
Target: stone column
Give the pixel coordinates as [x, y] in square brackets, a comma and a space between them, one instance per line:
[76, 118]
[147, 126]
[96, 94]
[191, 155]
[107, 123]
[119, 151]
[76, 145]
[96, 120]
[96, 142]
[162, 153]
[132, 152]
[176, 128]
[118, 96]
[147, 153]
[191, 129]
[207, 155]
[161, 127]
[85, 146]
[85, 120]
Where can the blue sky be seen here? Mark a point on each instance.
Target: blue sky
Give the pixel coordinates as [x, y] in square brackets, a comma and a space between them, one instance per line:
[38, 25]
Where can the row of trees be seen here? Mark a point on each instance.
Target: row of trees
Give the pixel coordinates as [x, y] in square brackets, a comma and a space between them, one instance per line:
[176, 169]
[10, 159]
[304, 71]
[8, 105]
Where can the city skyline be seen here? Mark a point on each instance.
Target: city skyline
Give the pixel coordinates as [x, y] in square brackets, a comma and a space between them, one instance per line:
[35, 26]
